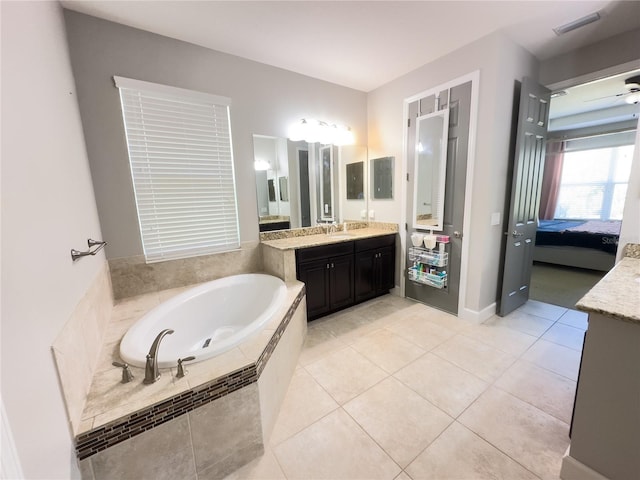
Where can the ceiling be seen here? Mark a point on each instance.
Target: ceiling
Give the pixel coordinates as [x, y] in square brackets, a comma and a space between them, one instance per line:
[364, 44]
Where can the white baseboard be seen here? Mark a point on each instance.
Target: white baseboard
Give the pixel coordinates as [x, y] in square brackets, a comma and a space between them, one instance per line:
[572, 469]
[478, 316]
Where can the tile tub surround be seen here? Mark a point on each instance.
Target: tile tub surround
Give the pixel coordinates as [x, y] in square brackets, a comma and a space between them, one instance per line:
[76, 349]
[117, 412]
[131, 276]
[617, 295]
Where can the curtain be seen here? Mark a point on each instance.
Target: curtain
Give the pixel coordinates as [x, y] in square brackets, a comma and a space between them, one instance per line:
[551, 179]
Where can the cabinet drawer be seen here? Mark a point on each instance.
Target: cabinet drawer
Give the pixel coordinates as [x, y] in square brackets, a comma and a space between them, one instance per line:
[375, 242]
[324, 251]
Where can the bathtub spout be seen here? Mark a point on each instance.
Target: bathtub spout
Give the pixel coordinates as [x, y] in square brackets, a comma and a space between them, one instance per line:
[151, 372]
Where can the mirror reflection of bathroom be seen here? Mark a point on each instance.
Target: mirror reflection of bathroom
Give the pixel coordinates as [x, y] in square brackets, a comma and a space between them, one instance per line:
[431, 154]
[382, 178]
[355, 181]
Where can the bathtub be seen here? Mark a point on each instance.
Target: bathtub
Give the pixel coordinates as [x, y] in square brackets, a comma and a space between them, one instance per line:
[207, 320]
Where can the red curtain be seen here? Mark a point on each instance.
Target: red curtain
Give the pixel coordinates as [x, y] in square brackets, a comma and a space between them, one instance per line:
[551, 179]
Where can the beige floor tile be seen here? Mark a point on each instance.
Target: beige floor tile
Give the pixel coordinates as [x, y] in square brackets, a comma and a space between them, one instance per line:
[565, 335]
[349, 327]
[345, 374]
[501, 338]
[262, 468]
[544, 310]
[523, 322]
[389, 351]
[528, 435]
[462, 455]
[550, 392]
[420, 331]
[482, 360]
[403, 476]
[575, 319]
[318, 343]
[557, 358]
[304, 403]
[398, 419]
[335, 447]
[448, 387]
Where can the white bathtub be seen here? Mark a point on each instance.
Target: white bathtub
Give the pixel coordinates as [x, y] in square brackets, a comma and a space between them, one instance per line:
[207, 320]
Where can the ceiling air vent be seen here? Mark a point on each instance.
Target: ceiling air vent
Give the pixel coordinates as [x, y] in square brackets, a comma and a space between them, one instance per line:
[581, 22]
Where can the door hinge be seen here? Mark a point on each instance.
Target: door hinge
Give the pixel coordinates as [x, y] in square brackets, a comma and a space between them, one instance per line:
[406, 227]
[407, 177]
[408, 122]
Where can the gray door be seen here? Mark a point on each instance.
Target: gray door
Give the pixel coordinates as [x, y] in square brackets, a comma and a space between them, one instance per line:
[522, 223]
[459, 106]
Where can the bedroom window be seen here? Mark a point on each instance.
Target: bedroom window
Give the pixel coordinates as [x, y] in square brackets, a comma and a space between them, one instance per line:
[180, 154]
[594, 183]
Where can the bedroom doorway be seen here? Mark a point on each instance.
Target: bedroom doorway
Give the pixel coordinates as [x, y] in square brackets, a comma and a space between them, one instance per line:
[588, 161]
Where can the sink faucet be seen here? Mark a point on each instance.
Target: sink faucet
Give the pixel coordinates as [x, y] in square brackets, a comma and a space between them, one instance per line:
[151, 373]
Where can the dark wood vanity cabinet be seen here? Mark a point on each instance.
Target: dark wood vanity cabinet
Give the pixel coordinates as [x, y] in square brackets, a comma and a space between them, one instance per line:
[342, 274]
[327, 272]
[375, 266]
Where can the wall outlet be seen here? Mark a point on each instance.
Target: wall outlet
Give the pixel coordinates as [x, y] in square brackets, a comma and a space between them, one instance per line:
[372, 214]
[363, 214]
[495, 218]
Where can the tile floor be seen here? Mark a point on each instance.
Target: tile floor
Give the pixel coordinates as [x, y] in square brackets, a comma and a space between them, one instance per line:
[393, 389]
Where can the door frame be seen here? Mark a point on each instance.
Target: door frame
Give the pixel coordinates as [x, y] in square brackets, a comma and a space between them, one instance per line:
[474, 78]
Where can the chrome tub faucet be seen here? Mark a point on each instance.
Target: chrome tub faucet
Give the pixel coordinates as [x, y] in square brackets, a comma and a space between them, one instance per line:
[151, 372]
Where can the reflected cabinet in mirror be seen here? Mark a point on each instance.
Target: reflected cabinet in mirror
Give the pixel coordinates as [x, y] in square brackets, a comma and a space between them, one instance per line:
[430, 169]
[300, 184]
[382, 178]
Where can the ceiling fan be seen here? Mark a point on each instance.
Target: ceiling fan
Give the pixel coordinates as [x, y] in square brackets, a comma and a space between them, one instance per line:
[632, 94]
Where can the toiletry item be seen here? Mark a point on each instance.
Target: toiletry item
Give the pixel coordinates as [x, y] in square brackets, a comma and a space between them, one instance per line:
[441, 247]
[443, 238]
[416, 239]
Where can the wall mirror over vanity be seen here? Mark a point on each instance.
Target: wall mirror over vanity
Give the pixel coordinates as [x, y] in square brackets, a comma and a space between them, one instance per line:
[300, 184]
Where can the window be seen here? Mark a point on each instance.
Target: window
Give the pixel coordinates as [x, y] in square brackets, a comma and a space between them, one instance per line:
[181, 161]
[594, 183]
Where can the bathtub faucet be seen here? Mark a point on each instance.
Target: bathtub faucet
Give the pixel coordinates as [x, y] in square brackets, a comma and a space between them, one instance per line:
[151, 373]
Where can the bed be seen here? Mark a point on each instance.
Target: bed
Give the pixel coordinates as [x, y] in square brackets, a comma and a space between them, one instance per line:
[588, 244]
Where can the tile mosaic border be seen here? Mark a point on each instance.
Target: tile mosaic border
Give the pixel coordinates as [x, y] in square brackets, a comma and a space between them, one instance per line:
[117, 431]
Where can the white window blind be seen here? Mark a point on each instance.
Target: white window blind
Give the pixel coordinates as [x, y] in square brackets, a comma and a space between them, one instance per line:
[181, 161]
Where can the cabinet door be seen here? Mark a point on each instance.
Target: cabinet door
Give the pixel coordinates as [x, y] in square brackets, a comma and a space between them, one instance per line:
[341, 281]
[386, 266]
[315, 276]
[365, 281]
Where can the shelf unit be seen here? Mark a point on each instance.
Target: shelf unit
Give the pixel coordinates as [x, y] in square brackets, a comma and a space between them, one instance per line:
[434, 259]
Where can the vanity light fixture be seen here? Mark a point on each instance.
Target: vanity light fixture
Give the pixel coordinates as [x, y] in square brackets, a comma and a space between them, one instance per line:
[312, 131]
[261, 165]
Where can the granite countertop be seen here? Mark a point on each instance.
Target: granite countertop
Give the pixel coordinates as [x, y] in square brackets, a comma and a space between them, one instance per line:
[296, 242]
[617, 294]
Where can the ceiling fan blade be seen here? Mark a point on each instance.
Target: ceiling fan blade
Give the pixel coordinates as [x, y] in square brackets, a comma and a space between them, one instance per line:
[608, 96]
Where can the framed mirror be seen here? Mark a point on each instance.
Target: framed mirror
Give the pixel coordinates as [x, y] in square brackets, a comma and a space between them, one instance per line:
[430, 170]
[382, 178]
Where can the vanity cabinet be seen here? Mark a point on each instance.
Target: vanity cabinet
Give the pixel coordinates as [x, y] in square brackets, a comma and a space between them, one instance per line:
[375, 266]
[342, 274]
[327, 272]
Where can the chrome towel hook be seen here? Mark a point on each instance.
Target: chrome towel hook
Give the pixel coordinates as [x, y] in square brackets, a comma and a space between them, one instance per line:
[76, 254]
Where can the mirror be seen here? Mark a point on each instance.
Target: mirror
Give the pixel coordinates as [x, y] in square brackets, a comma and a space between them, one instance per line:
[355, 181]
[382, 178]
[299, 183]
[430, 169]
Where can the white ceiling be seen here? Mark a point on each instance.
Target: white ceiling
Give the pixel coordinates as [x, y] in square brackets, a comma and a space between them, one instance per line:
[363, 44]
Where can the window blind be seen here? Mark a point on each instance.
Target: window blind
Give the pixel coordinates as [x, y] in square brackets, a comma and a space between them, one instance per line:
[181, 161]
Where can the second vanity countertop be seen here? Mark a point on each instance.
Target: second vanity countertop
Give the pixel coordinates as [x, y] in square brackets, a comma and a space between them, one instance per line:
[296, 242]
[617, 294]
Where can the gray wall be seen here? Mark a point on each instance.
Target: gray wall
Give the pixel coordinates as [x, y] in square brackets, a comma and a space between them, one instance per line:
[265, 100]
[501, 62]
[48, 208]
